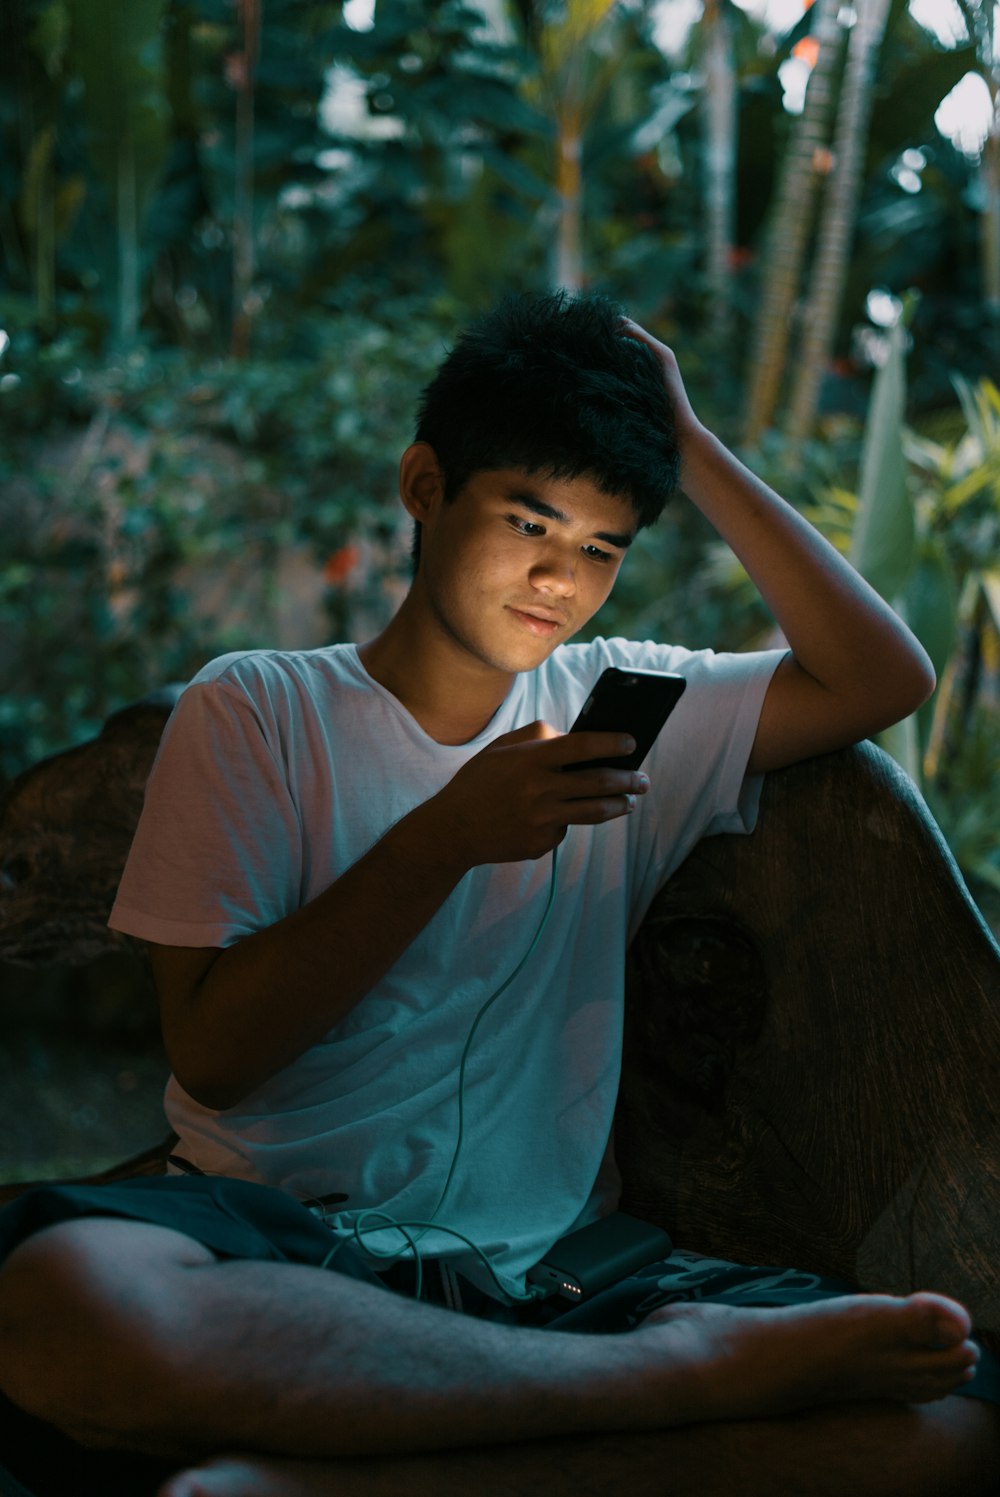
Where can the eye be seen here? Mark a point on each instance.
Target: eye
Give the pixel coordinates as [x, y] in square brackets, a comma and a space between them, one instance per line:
[524, 527]
[596, 554]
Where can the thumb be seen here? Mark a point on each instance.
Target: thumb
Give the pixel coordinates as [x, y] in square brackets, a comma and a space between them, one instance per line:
[529, 733]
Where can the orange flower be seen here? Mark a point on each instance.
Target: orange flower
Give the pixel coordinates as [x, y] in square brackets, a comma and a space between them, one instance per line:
[807, 50]
[340, 564]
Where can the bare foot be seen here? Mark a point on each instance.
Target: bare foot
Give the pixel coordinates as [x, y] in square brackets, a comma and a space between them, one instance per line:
[747, 1363]
[252, 1476]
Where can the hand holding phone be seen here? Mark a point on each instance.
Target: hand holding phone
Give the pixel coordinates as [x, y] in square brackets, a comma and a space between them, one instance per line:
[627, 701]
[505, 804]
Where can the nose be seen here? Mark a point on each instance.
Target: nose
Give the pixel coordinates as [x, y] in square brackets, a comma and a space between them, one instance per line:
[555, 573]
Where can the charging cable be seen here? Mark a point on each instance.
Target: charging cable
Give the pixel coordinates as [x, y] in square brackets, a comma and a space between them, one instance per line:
[360, 1230]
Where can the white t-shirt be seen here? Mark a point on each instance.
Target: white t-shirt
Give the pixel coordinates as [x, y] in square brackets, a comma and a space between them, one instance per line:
[277, 772]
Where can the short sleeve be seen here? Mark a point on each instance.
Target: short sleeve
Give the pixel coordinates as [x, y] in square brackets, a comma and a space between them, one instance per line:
[217, 853]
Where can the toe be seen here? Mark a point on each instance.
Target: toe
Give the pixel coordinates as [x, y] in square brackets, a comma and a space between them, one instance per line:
[937, 1321]
[179, 1486]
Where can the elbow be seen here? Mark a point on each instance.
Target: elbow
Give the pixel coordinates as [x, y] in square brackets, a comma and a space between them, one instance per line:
[909, 691]
[205, 1085]
[924, 681]
[930, 683]
[214, 1098]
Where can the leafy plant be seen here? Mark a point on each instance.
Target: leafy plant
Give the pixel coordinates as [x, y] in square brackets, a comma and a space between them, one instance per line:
[158, 510]
[925, 530]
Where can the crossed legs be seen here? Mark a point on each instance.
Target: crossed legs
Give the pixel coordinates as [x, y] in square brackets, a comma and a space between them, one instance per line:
[134, 1336]
[946, 1449]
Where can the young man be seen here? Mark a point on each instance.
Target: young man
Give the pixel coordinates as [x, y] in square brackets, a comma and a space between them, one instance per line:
[388, 935]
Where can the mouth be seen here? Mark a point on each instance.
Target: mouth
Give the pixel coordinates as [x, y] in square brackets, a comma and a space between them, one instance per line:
[539, 621]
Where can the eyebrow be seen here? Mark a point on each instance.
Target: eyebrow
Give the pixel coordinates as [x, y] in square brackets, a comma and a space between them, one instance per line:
[549, 512]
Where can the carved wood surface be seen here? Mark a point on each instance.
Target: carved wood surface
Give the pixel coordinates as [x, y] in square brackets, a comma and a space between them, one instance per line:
[812, 1071]
[66, 825]
[149, 1162]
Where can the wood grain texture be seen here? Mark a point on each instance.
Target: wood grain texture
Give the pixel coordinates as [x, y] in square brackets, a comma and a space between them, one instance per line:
[66, 825]
[812, 1071]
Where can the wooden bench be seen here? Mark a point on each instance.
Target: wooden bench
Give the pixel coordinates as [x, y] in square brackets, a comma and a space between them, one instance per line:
[812, 1067]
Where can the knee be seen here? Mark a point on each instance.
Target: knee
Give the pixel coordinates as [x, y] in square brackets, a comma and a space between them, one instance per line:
[82, 1306]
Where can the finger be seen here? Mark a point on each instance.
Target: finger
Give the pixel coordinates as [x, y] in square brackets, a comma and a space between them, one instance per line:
[577, 748]
[595, 812]
[634, 330]
[534, 732]
[599, 784]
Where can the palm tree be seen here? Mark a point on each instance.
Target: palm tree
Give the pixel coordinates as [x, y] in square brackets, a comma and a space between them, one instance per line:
[806, 160]
[829, 269]
[719, 106]
[981, 22]
[571, 87]
[242, 67]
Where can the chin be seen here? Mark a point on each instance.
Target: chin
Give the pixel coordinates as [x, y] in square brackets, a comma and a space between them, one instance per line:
[530, 661]
[514, 661]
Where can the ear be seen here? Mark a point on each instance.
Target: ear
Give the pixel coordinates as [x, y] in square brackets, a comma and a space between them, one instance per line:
[421, 482]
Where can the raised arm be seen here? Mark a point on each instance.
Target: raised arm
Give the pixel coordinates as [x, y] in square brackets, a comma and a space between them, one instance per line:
[854, 667]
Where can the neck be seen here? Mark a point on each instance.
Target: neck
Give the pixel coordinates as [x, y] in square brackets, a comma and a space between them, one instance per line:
[450, 695]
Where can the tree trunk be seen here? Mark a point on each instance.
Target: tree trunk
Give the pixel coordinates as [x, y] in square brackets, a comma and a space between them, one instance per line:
[38, 198]
[567, 270]
[990, 171]
[836, 235]
[243, 243]
[571, 94]
[128, 241]
[719, 104]
[117, 53]
[789, 229]
[982, 22]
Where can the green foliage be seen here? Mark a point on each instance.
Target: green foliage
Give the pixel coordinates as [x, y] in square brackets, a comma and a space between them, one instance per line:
[966, 801]
[437, 183]
[118, 126]
[949, 527]
[883, 536]
[153, 488]
[125, 129]
[933, 503]
[148, 530]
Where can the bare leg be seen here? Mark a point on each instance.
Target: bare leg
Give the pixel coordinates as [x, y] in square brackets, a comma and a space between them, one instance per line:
[946, 1449]
[193, 1356]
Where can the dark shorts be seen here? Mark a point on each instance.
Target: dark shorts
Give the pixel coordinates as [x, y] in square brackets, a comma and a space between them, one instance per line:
[236, 1219]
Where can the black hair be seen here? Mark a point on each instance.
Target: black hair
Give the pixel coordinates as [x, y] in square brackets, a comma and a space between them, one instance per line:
[550, 383]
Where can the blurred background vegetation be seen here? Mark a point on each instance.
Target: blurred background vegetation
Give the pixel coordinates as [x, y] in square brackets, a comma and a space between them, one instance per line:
[236, 237]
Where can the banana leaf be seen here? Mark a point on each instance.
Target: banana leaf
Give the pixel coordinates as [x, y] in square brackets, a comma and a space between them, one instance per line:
[883, 545]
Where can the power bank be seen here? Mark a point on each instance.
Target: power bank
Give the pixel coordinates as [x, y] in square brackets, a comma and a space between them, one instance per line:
[593, 1257]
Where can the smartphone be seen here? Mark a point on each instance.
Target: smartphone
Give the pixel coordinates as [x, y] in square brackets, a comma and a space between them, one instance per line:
[624, 701]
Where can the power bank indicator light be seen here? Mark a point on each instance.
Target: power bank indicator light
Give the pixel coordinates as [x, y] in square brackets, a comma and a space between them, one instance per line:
[590, 1259]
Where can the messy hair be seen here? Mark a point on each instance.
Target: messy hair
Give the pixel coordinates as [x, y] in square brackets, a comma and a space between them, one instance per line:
[550, 383]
